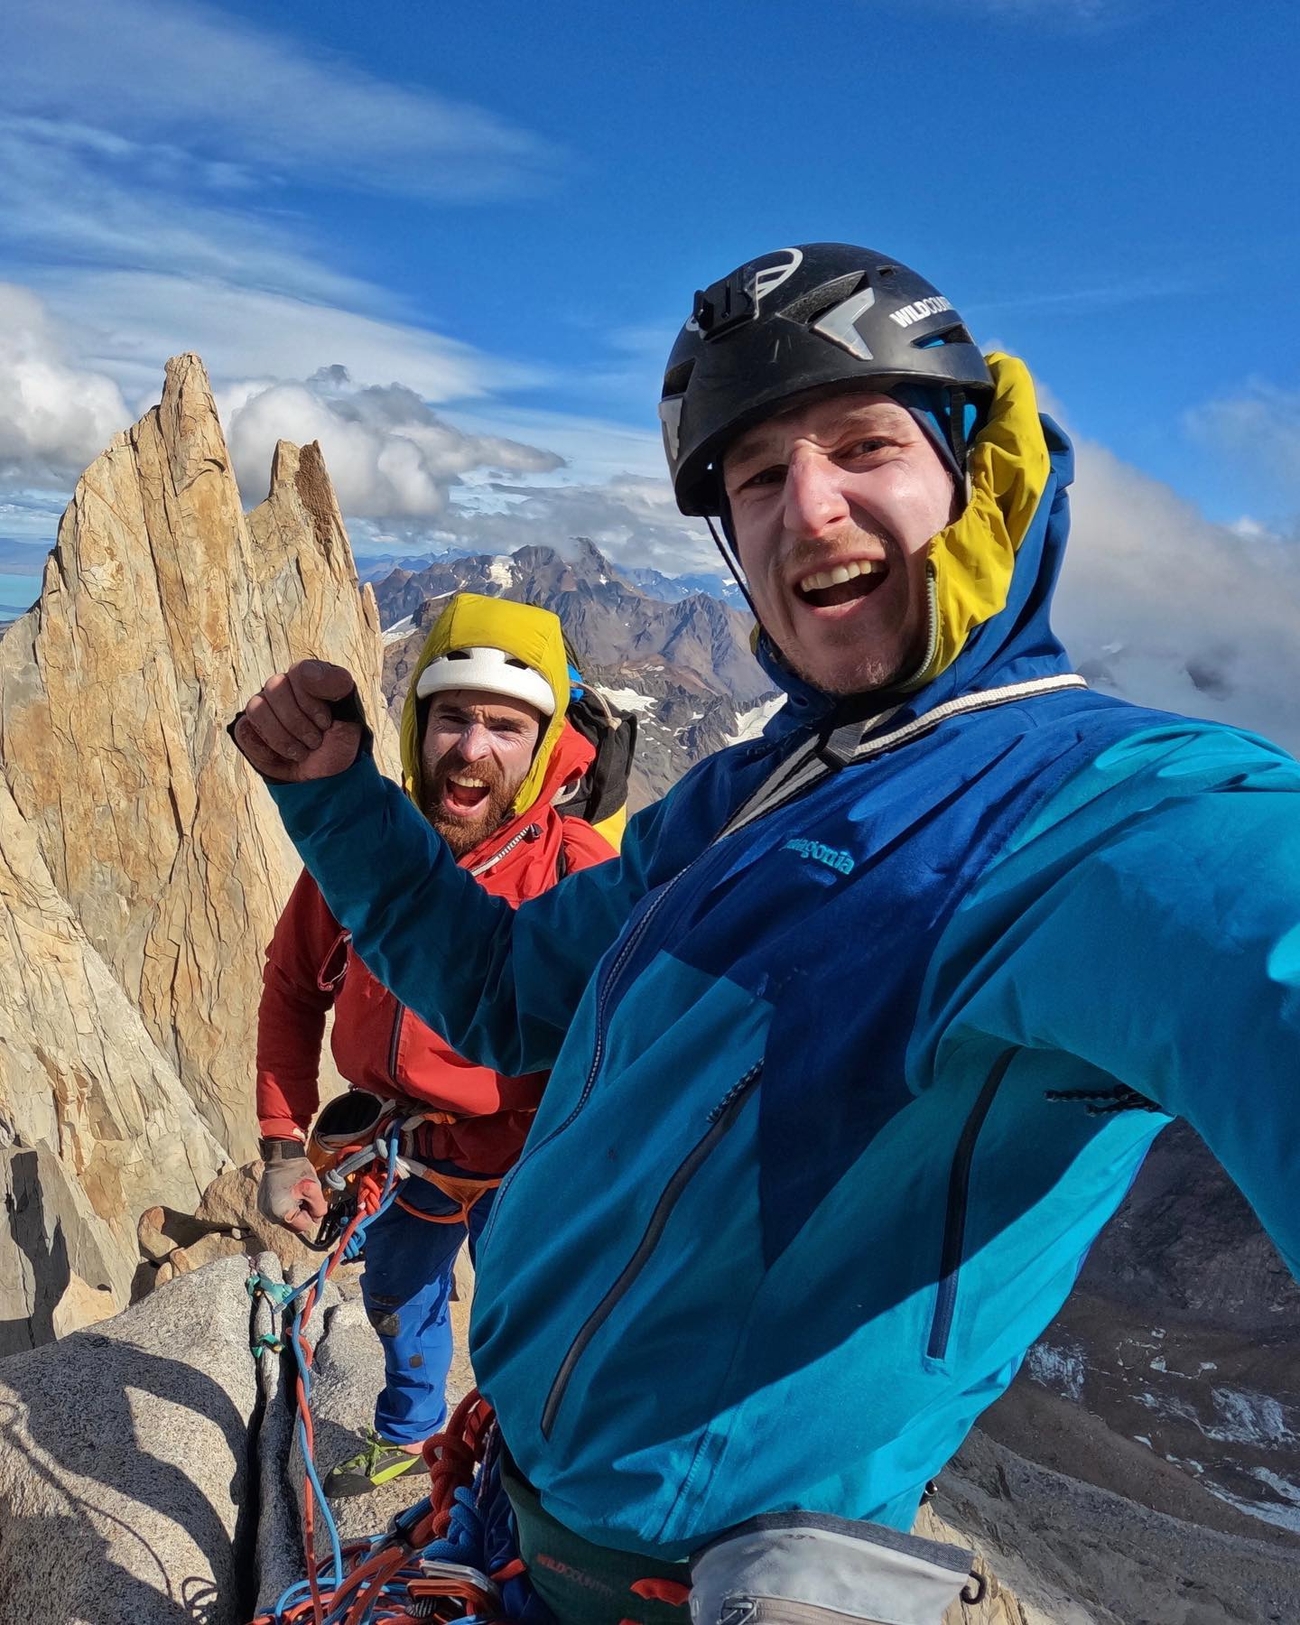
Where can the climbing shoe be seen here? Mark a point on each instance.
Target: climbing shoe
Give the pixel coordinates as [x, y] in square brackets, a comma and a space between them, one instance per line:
[378, 1463]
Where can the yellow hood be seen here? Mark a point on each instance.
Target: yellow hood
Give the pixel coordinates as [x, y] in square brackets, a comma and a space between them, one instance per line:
[527, 632]
[972, 560]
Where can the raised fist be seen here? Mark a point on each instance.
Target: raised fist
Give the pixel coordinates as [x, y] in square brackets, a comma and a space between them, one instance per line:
[301, 725]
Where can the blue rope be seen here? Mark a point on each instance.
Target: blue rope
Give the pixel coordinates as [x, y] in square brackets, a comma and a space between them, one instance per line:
[283, 1297]
[482, 1531]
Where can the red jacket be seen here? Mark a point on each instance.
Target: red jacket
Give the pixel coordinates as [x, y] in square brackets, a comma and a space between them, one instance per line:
[377, 1043]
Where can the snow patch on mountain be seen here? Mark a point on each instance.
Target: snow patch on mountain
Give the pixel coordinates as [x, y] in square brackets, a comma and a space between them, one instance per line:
[1283, 1514]
[1059, 1370]
[627, 699]
[750, 723]
[501, 573]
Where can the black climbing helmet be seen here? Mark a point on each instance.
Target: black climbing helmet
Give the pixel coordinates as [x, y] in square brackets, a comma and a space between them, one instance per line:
[823, 316]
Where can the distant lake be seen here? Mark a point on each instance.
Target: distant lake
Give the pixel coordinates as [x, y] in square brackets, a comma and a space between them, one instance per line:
[18, 593]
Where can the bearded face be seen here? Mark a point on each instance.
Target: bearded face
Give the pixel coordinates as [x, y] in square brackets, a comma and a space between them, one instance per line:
[475, 753]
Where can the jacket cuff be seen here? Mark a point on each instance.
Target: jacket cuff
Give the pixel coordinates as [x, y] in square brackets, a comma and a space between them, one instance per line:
[311, 808]
[281, 1128]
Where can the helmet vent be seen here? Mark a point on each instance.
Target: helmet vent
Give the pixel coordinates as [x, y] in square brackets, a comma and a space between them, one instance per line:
[956, 334]
[810, 306]
[677, 378]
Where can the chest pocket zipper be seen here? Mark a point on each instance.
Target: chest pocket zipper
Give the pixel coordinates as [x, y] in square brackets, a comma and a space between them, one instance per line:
[721, 1120]
[954, 1224]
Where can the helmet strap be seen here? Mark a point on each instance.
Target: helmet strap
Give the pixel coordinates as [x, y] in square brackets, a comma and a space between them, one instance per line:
[726, 545]
[957, 427]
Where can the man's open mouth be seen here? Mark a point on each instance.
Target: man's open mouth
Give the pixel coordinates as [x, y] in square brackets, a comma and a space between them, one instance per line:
[843, 584]
[464, 794]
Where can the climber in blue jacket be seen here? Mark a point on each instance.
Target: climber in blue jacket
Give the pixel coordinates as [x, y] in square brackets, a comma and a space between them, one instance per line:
[863, 1040]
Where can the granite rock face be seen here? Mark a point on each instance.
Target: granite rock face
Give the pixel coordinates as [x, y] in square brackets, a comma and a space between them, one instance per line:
[142, 865]
[94, 1122]
[162, 610]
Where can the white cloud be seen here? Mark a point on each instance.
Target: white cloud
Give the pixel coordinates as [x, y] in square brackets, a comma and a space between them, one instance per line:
[594, 449]
[633, 520]
[389, 455]
[1164, 607]
[55, 415]
[1258, 427]
[249, 99]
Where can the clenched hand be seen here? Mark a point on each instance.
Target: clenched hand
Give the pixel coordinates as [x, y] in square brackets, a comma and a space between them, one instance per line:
[291, 729]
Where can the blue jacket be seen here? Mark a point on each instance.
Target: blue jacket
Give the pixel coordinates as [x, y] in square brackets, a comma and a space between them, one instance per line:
[839, 1101]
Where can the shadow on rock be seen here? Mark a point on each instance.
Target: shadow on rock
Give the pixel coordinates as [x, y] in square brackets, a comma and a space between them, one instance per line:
[124, 1465]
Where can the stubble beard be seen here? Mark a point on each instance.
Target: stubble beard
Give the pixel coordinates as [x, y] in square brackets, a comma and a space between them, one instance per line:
[867, 675]
[868, 669]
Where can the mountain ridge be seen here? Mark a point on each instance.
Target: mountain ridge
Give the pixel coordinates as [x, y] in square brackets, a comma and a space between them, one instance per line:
[685, 662]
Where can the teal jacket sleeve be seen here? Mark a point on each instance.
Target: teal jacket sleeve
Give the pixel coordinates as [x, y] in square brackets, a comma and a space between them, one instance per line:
[500, 984]
[1146, 920]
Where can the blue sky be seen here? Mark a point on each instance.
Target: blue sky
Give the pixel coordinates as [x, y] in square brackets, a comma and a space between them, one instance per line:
[503, 211]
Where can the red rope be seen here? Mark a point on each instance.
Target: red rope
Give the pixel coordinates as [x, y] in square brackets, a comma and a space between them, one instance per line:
[452, 1455]
[369, 1192]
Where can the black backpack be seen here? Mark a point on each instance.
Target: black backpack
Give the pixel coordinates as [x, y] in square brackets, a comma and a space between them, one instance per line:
[603, 788]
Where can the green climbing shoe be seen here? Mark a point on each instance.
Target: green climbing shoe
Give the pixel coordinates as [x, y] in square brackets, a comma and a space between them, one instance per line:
[378, 1463]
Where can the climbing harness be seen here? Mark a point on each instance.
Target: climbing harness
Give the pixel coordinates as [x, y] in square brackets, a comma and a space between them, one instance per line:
[356, 1130]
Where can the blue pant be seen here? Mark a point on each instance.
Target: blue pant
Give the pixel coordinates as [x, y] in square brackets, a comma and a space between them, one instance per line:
[406, 1287]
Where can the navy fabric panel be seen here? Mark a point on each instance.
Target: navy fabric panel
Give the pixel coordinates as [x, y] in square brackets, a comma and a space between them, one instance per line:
[914, 829]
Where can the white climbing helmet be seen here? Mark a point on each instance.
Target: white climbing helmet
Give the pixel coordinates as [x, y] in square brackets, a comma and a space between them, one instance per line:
[489, 669]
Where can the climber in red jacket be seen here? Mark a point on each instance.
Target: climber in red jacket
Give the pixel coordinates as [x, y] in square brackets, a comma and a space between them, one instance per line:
[486, 750]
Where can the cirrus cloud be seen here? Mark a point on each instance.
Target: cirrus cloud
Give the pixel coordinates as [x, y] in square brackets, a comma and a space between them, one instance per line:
[255, 103]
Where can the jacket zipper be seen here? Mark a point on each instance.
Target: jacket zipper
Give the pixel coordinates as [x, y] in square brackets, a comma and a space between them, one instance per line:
[531, 832]
[954, 1226]
[393, 1044]
[922, 673]
[721, 1120]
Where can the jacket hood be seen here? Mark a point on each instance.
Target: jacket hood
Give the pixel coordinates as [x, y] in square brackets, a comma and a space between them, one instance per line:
[527, 632]
[991, 572]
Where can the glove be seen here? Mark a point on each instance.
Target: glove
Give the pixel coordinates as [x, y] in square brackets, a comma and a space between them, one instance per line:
[289, 1191]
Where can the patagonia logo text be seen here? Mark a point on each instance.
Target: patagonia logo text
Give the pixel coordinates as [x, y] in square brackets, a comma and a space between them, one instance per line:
[831, 856]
